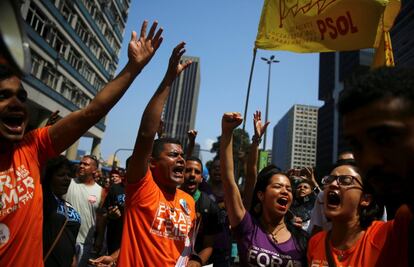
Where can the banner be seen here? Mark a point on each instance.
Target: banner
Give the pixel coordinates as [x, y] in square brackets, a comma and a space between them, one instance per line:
[263, 159]
[320, 25]
[383, 54]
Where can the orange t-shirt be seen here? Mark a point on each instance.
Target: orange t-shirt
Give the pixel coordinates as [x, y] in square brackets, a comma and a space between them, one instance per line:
[368, 249]
[21, 214]
[158, 227]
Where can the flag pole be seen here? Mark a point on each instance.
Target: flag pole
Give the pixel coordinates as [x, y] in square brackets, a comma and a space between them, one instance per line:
[248, 89]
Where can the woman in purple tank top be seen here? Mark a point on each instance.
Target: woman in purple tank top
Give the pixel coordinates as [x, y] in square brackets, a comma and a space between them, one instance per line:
[263, 235]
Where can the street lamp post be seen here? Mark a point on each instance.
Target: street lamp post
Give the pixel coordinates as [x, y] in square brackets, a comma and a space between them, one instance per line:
[269, 62]
[116, 151]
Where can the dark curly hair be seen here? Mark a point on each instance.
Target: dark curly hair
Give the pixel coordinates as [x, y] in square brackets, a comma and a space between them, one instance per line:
[263, 179]
[52, 166]
[377, 84]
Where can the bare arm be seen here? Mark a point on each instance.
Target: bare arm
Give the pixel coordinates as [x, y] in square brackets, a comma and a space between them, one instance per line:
[207, 250]
[140, 51]
[192, 134]
[251, 172]
[232, 197]
[151, 118]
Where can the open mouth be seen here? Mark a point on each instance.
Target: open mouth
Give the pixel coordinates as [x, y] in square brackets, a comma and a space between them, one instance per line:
[333, 198]
[282, 201]
[178, 171]
[14, 122]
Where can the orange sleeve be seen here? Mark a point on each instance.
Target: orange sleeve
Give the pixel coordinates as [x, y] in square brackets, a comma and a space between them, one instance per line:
[395, 249]
[40, 144]
[316, 250]
[142, 192]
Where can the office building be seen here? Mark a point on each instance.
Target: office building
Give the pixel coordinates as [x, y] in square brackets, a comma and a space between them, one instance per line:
[181, 108]
[74, 46]
[294, 138]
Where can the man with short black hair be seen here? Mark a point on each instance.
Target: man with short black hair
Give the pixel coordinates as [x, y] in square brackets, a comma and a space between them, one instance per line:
[378, 120]
[207, 210]
[159, 218]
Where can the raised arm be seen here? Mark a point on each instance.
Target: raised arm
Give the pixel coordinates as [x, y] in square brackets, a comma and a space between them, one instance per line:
[232, 197]
[151, 117]
[191, 134]
[140, 51]
[251, 171]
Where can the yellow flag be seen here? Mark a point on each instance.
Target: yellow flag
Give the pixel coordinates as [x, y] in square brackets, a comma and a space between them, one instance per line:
[320, 25]
[383, 53]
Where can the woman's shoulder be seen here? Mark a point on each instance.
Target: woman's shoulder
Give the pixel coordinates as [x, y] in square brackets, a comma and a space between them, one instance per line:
[317, 238]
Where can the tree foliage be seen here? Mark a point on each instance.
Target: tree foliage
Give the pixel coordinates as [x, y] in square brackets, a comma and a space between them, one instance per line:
[241, 144]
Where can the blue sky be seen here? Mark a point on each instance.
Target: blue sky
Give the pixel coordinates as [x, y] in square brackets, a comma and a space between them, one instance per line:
[222, 34]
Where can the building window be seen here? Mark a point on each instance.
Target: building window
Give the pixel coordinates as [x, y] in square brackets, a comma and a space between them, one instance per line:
[36, 63]
[99, 21]
[104, 60]
[93, 46]
[86, 72]
[98, 84]
[58, 42]
[49, 76]
[82, 31]
[74, 59]
[66, 10]
[37, 20]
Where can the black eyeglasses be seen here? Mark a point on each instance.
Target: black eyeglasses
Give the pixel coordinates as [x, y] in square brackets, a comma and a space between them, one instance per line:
[344, 180]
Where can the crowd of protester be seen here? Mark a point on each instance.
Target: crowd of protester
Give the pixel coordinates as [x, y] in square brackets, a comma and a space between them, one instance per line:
[163, 212]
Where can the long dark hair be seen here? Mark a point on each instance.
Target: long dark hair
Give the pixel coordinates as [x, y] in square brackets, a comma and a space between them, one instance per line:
[300, 237]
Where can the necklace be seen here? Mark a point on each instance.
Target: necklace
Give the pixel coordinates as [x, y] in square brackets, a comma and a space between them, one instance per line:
[273, 235]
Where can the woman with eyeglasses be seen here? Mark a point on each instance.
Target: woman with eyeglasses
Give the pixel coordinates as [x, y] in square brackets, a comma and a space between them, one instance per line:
[264, 237]
[355, 239]
[61, 221]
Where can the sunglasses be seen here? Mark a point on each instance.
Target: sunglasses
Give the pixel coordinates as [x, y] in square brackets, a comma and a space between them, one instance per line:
[344, 180]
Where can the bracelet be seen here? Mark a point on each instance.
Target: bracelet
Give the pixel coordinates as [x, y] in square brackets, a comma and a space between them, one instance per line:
[195, 257]
[256, 139]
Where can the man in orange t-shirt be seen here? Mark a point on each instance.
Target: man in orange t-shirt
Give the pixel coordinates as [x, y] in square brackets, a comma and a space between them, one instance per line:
[22, 154]
[159, 218]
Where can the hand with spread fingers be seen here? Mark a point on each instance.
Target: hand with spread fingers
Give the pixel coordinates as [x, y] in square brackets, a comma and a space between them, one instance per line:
[259, 128]
[141, 49]
[175, 67]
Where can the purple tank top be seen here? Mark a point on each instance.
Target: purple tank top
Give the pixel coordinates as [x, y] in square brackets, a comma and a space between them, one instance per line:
[257, 249]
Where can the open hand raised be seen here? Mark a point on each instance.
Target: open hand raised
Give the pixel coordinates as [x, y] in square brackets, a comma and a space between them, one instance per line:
[141, 49]
[259, 128]
[175, 67]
